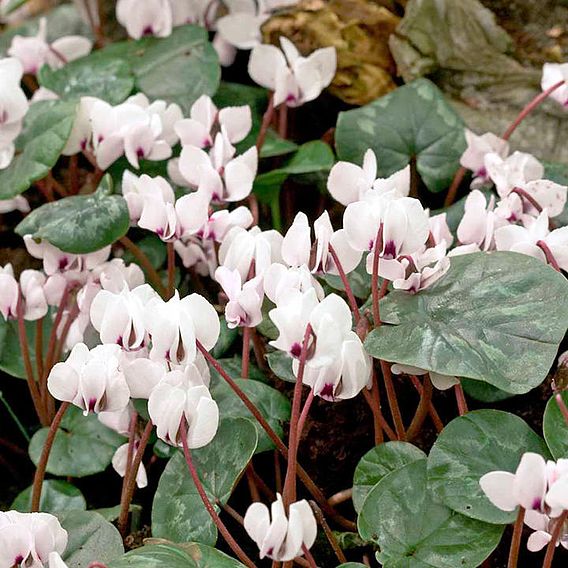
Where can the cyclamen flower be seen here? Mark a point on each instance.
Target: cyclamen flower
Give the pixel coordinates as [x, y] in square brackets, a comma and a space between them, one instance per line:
[198, 254]
[535, 239]
[10, 292]
[183, 396]
[30, 539]
[18, 203]
[55, 561]
[222, 221]
[553, 73]
[91, 379]
[245, 300]
[279, 280]
[205, 119]
[32, 283]
[145, 17]
[13, 107]
[35, 52]
[280, 536]
[478, 147]
[120, 464]
[175, 325]
[294, 79]
[297, 247]
[348, 182]
[240, 247]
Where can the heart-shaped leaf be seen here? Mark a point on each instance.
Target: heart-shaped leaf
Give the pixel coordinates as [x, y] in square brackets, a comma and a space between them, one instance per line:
[412, 529]
[77, 432]
[178, 512]
[56, 496]
[272, 404]
[82, 223]
[91, 538]
[413, 122]
[47, 127]
[189, 555]
[497, 317]
[469, 447]
[379, 462]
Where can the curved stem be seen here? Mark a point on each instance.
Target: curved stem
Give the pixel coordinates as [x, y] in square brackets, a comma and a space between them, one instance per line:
[548, 254]
[210, 509]
[289, 493]
[346, 285]
[435, 417]
[456, 182]
[309, 557]
[380, 423]
[280, 446]
[304, 414]
[421, 410]
[171, 268]
[460, 398]
[328, 533]
[42, 464]
[145, 263]
[556, 533]
[516, 540]
[541, 97]
[393, 401]
[132, 472]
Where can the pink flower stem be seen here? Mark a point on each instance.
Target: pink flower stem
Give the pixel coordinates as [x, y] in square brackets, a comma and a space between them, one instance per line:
[434, 416]
[375, 277]
[541, 97]
[556, 533]
[280, 446]
[309, 557]
[393, 401]
[130, 453]
[328, 533]
[171, 268]
[210, 509]
[24, 346]
[97, 565]
[131, 473]
[145, 263]
[346, 285]
[305, 412]
[266, 120]
[421, 410]
[246, 353]
[283, 120]
[516, 540]
[548, 254]
[460, 399]
[289, 492]
[42, 464]
[456, 182]
[39, 356]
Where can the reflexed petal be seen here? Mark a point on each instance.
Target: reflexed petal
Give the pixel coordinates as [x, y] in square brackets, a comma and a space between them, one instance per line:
[265, 62]
[297, 244]
[498, 486]
[347, 182]
[530, 483]
[538, 540]
[257, 522]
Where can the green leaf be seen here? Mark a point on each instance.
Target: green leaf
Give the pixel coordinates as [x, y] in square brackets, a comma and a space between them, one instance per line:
[497, 317]
[56, 496]
[233, 367]
[91, 538]
[11, 360]
[468, 448]
[272, 404]
[280, 364]
[358, 279]
[413, 530]
[352, 565]
[379, 462]
[190, 555]
[555, 429]
[483, 391]
[11, 6]
[47, 127]
[178, 69]
[76, 434]
[111, 514]
[110, 80]
[178, 512]
[414, 121]
[82, 223]
[226, 339]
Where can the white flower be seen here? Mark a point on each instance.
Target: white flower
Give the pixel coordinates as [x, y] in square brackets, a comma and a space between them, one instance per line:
[18, 203]
[441, 382]
[91, 380]
[279, 280]
[34, 52]
[175, 325]
[9, 292]
[222, 221]
[348, 182]
[55, 561]
[294, 79]
[245, 300]
[278, 536]
[29, 539]
[478, 147]
[197, 254]
[180, 396]
[553, 73]
[145, 17]
[13, 107]
[32, 284]
[120, 463]
[240, 247]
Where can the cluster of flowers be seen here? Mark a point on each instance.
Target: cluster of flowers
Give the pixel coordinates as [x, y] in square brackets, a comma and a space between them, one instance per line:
[32, 540]
[538, 486]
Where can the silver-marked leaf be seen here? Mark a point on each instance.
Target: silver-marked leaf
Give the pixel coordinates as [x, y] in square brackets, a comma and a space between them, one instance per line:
[497, 317]
[178, 513]
[469, 447]
[188, 555]
[56, 496]
[68, 455]
[91, 538]
[47, 127]
[414, 121]
[413, 530]
[379, 462]
[82, 223]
